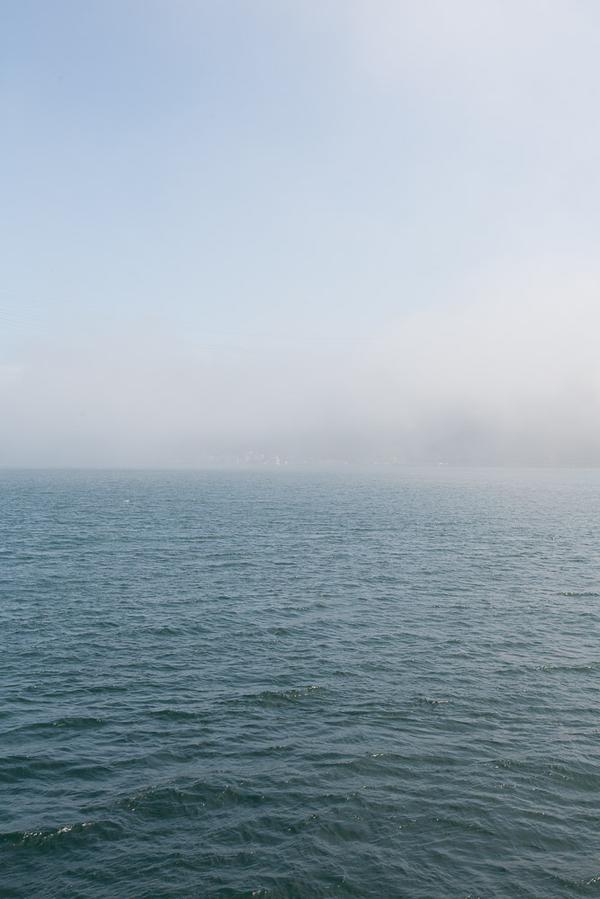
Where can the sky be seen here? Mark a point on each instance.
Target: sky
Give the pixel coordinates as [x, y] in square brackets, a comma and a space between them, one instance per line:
[288, 230]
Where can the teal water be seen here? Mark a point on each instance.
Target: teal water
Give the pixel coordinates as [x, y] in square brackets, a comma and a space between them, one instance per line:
[282, 684]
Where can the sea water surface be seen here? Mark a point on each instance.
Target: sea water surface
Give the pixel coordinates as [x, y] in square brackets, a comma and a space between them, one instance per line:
[296, 684]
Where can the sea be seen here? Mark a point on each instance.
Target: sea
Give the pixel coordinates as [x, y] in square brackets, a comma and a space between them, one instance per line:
[294, 684]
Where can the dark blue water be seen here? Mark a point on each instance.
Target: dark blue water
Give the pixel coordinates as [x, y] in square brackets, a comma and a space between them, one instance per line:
[283, 684]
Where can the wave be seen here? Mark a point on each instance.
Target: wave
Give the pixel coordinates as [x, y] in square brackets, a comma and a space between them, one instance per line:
[172, 801]
[581, 667]
[568, 775]
[178, 715]
[16, 768]
[280, 697]
[75, 722]
[46, 838]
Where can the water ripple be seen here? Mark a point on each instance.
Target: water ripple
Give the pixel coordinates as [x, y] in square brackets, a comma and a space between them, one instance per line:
[299, 685]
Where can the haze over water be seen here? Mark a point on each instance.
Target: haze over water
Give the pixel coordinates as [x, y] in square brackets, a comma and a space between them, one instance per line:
[296, 684]
[355, 231]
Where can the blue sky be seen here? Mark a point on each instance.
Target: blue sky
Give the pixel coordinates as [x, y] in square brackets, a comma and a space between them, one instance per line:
[199, 194]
